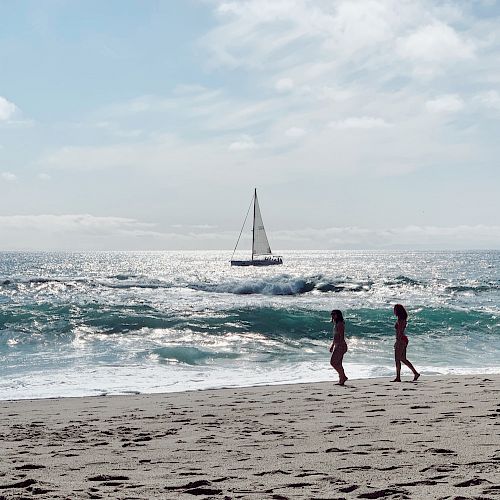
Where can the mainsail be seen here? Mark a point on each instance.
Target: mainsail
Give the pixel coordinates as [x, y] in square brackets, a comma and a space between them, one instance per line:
[260, 243]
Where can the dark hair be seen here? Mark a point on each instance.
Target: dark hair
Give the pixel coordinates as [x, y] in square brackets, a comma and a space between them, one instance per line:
[338, 314]
[400, 312]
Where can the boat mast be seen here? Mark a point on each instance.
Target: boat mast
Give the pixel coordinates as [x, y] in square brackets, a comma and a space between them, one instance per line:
[242, 227]
[253, 226]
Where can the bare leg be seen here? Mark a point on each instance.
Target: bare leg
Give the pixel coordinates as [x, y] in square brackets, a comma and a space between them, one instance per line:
[342, 377]
[337, 369]
[398, 371]
[340, 370]
[412, 368]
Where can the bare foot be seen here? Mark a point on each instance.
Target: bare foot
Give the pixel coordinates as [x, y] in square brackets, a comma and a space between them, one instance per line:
[415, 377]
[396, 380]
[342, 381]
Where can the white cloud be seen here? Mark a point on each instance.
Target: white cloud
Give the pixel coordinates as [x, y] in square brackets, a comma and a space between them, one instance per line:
[244, 143]
[82, 231]
[433, 48]
[295, 132]
[75, 222]
[489, 99]
[318, 76]
[160, 153]
[353, 66]
[18, 124]
[431, 237]
[73, 231]
[8, 176]
[295, 42]
[193, 108]
[448, 103]
[114, 130]
[347, 65]
[284, 85]
[194, 226]
[362, 122]
[43, 176]
[88, 158]
[435, 43]
[7, 109]
[336, 94]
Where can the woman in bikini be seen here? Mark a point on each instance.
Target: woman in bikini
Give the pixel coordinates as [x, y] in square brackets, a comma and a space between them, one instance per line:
[402, 343]
[339, 346]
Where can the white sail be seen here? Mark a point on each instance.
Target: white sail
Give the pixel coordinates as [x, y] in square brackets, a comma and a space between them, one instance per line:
[260, 244]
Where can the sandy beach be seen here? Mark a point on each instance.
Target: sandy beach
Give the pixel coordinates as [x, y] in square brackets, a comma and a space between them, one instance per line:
[437, 438]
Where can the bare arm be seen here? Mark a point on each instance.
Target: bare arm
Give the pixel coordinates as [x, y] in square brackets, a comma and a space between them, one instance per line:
[333, 340]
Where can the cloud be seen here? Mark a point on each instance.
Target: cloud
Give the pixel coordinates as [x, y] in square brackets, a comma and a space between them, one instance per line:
[362, 122]
[338, 65]
[435, 43]
[72, 231]
[8, 176]
[194, 226]
[84, 231]
[405, 237]
[347, 65]
[449, 103]
[188, 109]
[7, 109]
[336, 94]
[114, 130]
[307, 91]
[284, 85]
[155, 154]
[295, 41]
[295, 132]
[244, 143]
[489, 99]
[75, 222]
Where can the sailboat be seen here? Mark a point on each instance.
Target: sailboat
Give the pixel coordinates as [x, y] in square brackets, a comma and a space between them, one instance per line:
[261, 251]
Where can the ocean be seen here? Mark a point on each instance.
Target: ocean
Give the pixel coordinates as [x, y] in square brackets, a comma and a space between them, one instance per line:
[91, 323]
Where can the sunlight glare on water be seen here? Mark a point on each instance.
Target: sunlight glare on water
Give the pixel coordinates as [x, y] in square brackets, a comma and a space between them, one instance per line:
[153, 321]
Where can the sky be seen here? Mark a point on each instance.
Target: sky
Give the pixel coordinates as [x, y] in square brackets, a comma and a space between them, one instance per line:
[146, 124]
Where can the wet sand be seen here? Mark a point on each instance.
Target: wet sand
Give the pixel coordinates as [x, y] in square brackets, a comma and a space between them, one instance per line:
[436, 438]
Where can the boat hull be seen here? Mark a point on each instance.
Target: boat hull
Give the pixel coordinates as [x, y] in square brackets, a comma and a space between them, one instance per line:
[257, 262]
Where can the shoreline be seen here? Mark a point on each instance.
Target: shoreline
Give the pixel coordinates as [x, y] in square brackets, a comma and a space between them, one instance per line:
[331, 377]
[372, 438]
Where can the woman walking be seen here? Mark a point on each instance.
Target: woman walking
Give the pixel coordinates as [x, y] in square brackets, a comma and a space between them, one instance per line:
[339, 346]
[402, 343]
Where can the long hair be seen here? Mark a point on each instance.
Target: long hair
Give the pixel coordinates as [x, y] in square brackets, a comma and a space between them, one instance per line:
[400, 312]
[338, 315]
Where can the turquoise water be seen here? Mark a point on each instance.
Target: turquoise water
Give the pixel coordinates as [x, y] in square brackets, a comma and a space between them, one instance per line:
[118, 322]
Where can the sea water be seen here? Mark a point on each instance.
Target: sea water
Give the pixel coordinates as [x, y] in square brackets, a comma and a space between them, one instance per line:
[74, 324]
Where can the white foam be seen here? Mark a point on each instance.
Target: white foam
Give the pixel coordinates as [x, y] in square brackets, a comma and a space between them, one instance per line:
[110, 379]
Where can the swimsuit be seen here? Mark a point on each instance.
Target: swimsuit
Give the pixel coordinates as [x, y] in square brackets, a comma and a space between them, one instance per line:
[340, 348]
[402, 338]
[400, 345]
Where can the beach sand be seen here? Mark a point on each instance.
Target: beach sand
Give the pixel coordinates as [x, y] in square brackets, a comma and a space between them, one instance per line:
[437, 438]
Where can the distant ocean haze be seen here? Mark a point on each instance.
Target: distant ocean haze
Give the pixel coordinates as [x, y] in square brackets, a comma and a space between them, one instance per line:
[117, 322]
